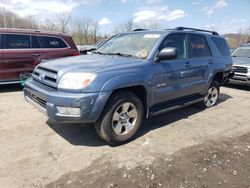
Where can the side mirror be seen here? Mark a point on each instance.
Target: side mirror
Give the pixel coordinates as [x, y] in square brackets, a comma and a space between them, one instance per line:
[167, 53]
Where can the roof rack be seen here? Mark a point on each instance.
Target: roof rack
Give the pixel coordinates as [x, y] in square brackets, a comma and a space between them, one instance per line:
[194, 29]
[32, 30]
[139, 29]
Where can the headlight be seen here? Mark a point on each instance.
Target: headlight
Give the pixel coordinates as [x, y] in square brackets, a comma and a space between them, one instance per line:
[76, 80]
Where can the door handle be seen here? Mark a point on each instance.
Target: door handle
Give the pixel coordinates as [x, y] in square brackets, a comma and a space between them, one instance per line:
[36, 54]
[188, 65]
[210, 62]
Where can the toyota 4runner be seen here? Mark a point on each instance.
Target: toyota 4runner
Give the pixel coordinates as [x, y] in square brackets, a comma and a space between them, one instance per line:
[132, 76]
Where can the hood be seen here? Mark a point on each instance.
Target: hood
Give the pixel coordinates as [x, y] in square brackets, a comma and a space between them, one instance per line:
[241, 61]
[86, 47]
[88, 63]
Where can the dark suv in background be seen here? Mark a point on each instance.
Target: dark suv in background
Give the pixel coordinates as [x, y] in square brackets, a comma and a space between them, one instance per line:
[132, 76]
[22, 50]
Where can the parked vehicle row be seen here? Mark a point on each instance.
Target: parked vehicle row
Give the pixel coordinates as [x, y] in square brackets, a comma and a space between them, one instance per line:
[84, 49]
[22, 50]
[241, 60]
[132, 76]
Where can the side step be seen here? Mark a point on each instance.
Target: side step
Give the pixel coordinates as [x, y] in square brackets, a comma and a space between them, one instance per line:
[174, 106]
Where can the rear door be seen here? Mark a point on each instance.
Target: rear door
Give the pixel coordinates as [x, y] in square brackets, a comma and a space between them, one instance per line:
[1, 58]
[54, 47]
[18, 56]
[200, 62]
[36, 48]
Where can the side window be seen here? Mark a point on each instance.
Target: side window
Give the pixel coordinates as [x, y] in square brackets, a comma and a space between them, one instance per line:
[178, 41]
[17, 41]
[222, 46]
[52, 42]
[35, 42]
[1, 42]
[198, 46]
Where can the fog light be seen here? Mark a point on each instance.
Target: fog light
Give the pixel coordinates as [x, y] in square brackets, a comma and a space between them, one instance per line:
[69, 111]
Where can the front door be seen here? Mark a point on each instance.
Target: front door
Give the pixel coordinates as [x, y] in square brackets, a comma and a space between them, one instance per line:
[173, 81]
[18, 56]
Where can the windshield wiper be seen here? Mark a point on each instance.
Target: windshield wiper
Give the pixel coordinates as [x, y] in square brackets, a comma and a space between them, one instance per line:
[120, 54]
[96, 52]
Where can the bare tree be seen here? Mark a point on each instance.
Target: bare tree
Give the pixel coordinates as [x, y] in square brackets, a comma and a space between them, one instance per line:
[85, 31]
[94, 30]
[125, 26]
[149, 25]
[58, 22]
[11, 20]
[129, 25]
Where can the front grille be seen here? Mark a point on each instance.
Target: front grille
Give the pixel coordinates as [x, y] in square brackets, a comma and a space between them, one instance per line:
[240, 69]
[36, 99]
[45, 76]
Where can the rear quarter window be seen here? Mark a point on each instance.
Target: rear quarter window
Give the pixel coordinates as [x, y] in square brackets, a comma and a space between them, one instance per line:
[52, 42]
[16, 41]
[221, 45]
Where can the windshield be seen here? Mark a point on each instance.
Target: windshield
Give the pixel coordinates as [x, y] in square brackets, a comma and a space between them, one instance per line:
[136, 45]
[243, 51]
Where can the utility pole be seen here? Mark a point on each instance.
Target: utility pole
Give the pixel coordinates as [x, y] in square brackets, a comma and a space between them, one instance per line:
[4, 18]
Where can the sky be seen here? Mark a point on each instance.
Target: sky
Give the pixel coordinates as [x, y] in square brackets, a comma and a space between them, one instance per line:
[224, 16]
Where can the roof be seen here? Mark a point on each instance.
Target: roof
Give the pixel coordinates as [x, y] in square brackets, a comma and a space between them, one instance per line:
[181, 29]
[29, 31]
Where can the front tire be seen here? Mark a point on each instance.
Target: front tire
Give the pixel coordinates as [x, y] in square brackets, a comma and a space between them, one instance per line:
[121, 118]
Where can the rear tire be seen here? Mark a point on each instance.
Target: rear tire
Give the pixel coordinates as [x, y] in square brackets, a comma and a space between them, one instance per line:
[121, 118]
[211, 96]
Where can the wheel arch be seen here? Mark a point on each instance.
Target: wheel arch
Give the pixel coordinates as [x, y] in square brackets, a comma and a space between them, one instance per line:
[132, 82]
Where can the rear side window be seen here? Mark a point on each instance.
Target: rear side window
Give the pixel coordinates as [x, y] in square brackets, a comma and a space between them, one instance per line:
[17, 41]
[198, 46]
[35, 42]
[1, 42]
[52, 42]
[222, 46]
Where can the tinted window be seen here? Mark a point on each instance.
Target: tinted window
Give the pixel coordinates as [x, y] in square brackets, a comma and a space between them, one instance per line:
[221, 45]
[17, 41]
[35, 42]
[1, 42]
[177, 41]
[52, 42]
[198, 46]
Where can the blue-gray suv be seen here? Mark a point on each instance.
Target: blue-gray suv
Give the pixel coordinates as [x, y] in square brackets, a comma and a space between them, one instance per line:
[132, 76]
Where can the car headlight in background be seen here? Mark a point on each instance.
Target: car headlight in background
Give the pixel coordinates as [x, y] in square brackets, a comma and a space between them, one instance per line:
[76, 80]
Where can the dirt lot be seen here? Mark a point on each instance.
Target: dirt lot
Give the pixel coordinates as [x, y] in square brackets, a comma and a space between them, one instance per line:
[184, 148]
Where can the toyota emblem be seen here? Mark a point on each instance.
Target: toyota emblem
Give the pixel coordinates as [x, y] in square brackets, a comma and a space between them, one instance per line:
[41, 76]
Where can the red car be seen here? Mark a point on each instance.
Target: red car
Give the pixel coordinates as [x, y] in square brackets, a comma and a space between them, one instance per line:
[21, 50]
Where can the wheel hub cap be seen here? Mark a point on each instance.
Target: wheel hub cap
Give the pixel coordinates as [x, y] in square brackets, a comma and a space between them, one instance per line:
[211, 97]
[124, 118]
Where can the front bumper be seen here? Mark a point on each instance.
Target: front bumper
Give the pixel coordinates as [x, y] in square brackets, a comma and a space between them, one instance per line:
[47, 100]
[241, 78]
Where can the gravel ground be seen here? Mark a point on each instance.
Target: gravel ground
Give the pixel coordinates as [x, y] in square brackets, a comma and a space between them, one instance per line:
[170, 150]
